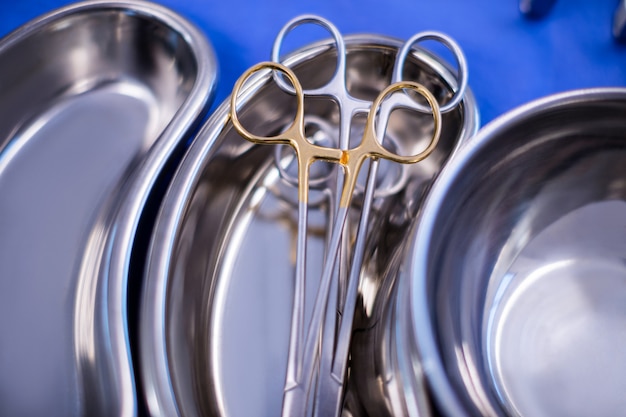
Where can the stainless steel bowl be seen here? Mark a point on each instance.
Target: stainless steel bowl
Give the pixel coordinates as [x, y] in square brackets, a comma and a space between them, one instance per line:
[516, 281]
[218, 289]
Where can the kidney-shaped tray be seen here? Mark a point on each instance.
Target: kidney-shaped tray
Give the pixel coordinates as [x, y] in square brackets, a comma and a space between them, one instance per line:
[219, 286]
[96, 99]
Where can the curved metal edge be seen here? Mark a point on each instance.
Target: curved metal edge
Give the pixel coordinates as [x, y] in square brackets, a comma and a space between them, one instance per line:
[100, 313]
[154, 358]
[419, 314]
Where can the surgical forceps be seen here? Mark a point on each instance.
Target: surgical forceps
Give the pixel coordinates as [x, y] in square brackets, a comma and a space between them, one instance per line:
[335, 347]
[351, 160]
[295, 393]
[336, 90]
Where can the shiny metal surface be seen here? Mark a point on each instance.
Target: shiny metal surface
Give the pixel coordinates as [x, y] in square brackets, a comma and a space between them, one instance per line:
[219, 283]
[95, 99]
[516, 278]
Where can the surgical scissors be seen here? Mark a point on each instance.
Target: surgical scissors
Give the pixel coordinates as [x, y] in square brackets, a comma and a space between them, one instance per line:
[351, 160]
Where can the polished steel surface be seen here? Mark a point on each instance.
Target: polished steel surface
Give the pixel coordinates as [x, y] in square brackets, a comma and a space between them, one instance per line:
[516, 278]
[217, 303]
[95, 98]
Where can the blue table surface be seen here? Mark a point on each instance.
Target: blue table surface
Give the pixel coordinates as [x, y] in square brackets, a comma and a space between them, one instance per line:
[511, 59]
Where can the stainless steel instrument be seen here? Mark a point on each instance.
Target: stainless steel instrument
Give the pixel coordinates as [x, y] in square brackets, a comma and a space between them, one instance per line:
[297, 391]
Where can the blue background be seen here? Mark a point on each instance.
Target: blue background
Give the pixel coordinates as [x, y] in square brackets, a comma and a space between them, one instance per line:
[511, 59]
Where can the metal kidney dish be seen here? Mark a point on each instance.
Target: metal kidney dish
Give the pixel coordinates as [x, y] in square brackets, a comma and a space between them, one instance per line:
[96, 99]
[219, 279]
